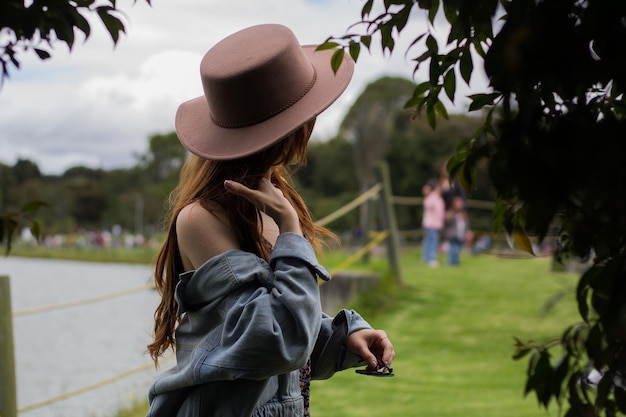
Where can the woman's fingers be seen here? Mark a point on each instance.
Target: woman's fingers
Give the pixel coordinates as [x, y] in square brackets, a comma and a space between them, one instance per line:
[372, 345]
[266, 197]
[271, 201]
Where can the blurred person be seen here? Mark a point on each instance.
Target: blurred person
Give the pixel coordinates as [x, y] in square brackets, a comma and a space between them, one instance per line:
[456, 229]
[449, 189]
[432, 221]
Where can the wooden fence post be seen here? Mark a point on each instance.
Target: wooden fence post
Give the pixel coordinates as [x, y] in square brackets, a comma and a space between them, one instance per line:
[388, 217]
[8, 392]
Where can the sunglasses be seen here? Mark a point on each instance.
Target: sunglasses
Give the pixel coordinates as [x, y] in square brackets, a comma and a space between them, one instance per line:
[382, 370]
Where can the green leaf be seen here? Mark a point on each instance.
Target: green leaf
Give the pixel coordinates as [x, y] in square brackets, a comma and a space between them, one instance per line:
[430, 116]
[539, 378]
[432, 11]
[466, 178]
[434, 71]
[466, 66]
[34, 205]
[415, 101]
[449, 84]
[521, 239]
[80, 22]
[559, 373]
[521, 353]
[35, 229]
[337, 59]
[401, 17]
[431, 43]
[478, 46]
[327, 45]
[355, 50]
[603, 390]
[42, 54]
[481, 100]
[367, 8]
[64, 32]
[583, 305]
[112, 24]
[366, 40]
[620, 399]
[440, 109]
[595, 345]
[450, 13]
[387, 41]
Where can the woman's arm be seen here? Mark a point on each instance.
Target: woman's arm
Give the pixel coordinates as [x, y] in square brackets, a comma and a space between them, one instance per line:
[347, 341]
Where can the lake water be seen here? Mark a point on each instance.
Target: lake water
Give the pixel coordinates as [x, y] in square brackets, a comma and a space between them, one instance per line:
[68, 349]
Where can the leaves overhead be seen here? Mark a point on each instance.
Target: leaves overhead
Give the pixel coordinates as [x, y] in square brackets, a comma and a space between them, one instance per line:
[37, 25]
[553, 138]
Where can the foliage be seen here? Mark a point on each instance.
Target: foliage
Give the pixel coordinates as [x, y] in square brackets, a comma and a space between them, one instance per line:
[12, 221]
[37, 25]
[555, 150]
[370, 122]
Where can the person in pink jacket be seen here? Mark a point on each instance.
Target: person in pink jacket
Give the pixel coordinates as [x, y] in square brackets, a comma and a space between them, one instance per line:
[432, 221]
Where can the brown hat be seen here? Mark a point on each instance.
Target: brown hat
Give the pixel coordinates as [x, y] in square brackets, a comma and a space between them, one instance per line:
[259, 86]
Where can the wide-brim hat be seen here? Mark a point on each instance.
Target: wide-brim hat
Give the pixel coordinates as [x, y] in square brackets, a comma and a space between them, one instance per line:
[259, 85]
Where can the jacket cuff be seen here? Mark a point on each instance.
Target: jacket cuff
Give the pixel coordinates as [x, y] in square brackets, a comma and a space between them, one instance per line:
[293, 245]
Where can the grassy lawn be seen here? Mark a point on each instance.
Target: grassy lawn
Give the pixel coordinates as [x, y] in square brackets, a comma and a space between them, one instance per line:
[452, 329]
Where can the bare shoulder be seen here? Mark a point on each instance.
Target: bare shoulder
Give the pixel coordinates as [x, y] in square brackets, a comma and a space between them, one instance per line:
[203, 234]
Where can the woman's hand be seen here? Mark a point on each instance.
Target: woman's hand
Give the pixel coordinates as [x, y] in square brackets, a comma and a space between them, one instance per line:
[372, 345]
[271, 201]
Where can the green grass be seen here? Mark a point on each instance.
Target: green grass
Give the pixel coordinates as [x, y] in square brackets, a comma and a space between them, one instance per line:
[143, 255]
[452, 330]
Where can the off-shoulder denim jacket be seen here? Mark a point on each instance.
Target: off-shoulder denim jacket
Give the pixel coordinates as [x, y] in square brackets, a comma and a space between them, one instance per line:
[247, 328]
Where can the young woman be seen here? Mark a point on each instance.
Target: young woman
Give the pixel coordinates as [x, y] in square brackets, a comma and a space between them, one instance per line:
[237, 272]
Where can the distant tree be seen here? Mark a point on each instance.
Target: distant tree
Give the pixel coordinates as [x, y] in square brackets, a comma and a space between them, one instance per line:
[37, 25]
[328, 180]
[368, 126]
[165, 157]
[330, 167]
[370, 122]
[556, 152]
[89, 200]
[24, 170]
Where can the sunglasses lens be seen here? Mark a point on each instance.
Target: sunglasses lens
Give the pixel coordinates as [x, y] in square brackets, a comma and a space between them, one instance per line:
[384, 370]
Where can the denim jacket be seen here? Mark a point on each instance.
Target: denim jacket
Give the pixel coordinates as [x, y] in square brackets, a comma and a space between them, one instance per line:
[247, 329]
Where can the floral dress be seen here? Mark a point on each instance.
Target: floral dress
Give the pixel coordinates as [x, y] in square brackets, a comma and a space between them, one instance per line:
[305, 373]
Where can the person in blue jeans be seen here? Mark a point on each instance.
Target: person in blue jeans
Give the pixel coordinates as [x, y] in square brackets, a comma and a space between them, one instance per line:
[432, 221]
[456, 228]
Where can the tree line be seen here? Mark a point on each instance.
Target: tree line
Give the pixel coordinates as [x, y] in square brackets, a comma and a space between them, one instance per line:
[338, 169]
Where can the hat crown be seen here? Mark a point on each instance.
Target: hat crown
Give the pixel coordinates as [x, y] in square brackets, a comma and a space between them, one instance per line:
[255, 74]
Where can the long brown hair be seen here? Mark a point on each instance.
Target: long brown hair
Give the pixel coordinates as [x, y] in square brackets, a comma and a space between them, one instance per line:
[203, 181]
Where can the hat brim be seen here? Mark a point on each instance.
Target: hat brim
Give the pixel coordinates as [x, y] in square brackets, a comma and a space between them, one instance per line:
[202, 137]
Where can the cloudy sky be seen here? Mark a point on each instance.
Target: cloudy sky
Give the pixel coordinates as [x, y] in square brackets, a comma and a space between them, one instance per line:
[98, 105]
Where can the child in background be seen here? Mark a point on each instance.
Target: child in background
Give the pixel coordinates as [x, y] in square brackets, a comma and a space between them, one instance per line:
[456, 228]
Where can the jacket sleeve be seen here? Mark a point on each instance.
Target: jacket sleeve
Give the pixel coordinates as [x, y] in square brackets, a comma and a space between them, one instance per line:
[269, 329]
[330, 354]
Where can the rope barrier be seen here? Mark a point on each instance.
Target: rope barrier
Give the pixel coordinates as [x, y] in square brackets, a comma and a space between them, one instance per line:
[91, 387]
[82, 301]
[378, 237]
[369, 194]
